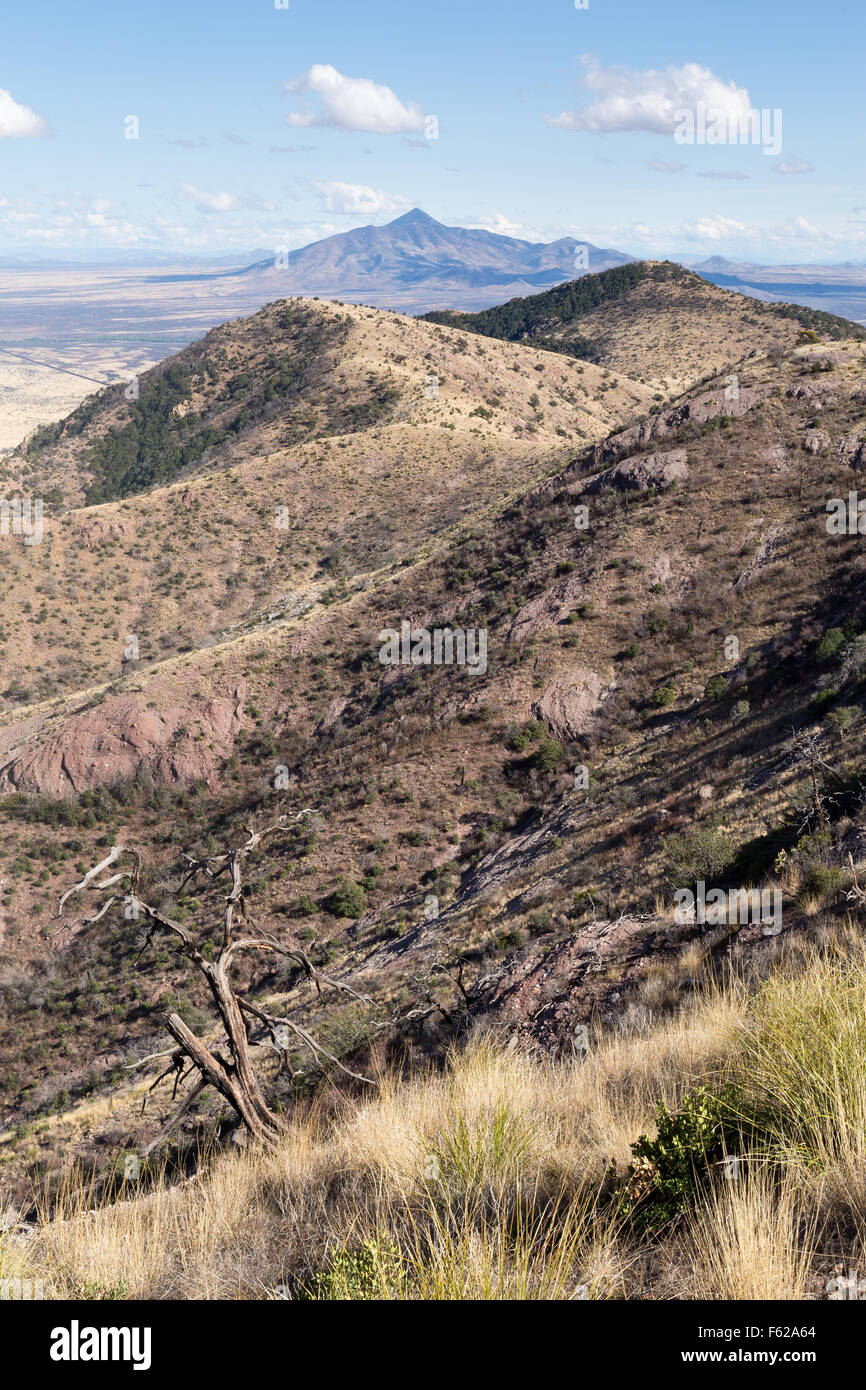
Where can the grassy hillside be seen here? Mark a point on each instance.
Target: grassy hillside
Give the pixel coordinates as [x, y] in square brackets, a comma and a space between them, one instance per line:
[676, 657]
[503, 1176]
[389, 435]
[649, 319]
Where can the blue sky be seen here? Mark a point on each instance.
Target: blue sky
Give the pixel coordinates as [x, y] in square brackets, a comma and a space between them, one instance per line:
[267, 127]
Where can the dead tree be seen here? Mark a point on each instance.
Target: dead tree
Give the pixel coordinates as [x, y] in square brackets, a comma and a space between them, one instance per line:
[821, 803]
[226, 1065]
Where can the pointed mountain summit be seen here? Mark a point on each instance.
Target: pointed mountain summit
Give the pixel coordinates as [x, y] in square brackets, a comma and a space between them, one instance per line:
[416, 263]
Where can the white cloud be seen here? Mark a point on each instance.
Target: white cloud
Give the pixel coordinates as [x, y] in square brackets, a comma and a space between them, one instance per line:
[627, 99]
[504, 226]
[352, 103]
[356, 197]
[793, 166]
[208, 202]
[666, 166]
[716, 229]
[18, 122]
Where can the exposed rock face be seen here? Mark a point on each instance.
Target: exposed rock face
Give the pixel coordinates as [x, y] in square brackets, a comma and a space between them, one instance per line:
[180, 744]
[827, 361]
[333, 717]
[851, 451]
[544, 994]
[816, 442]
[697, 411]
[768, 545]
[642, 472]
[570, 706]
[102, 524]
[549, 607]
[818, 395]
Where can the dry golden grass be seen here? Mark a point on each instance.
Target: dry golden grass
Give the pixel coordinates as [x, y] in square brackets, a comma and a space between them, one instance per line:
[487, 1174]
[752, 1240]
[491, 1179]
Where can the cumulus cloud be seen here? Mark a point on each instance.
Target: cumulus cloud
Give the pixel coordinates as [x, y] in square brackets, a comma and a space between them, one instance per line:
[627, 99]
[504, 226]
[352, 103]
[716, 229]
[18, 122]
[793, 166]
[356, 197]
[208, 202]
[78, 220]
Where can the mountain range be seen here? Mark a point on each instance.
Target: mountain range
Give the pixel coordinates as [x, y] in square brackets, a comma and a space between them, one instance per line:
[486, 860]
[416, 263]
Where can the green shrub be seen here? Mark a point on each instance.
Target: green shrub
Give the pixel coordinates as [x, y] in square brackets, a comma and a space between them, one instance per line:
[374, 1270]
[347, 900]
[670, 1169]
[716, 688]
[548, 756]
[703, 852]
[830, 643]
[520, 737]
[823, 882]
[841, 719]
[302, 906]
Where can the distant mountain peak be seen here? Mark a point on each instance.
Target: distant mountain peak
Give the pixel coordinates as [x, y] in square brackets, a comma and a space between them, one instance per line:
[418, 263]
[416, 217]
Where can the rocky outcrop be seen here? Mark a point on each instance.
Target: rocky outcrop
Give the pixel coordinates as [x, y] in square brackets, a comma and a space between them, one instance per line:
[545, 993]
[571, 705]
[851, 451]
[99, 525]
[816, 442]
[115, 740]
[642, 472]
[332, 719]
[767, 549]
[549, 607]
[817, 395]
[709, 405]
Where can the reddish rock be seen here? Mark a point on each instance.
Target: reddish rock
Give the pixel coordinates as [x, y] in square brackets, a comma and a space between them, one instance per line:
[120, 737]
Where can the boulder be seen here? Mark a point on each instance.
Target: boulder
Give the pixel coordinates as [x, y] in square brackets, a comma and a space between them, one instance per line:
[642, 471]
[571, 705]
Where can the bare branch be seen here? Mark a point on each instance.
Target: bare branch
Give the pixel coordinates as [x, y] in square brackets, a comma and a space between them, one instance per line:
[274, 1021]
[86, 882]
[233, 1074]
